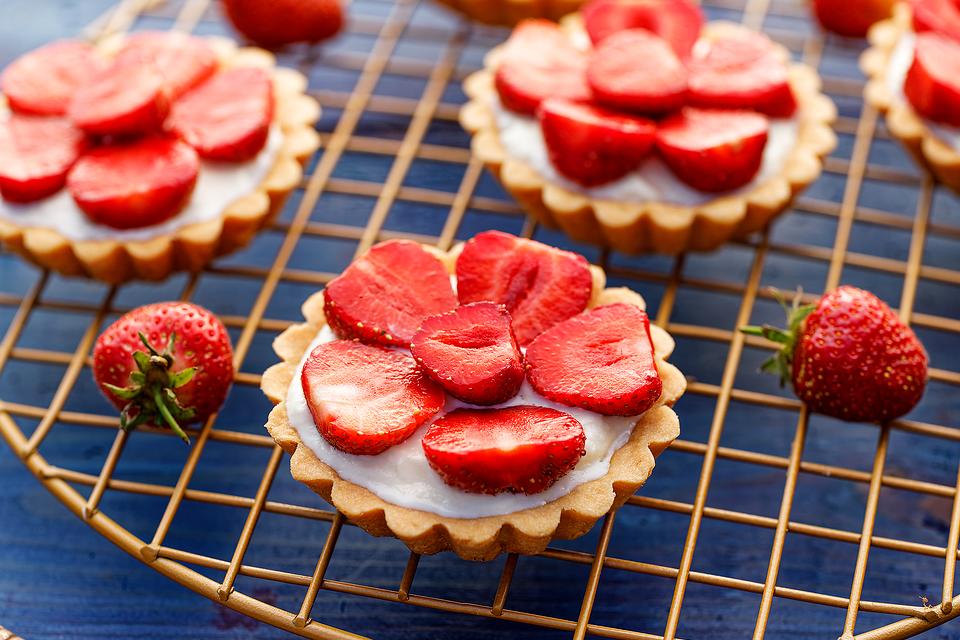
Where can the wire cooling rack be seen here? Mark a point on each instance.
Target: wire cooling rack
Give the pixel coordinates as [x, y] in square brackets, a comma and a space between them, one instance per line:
[760, 520]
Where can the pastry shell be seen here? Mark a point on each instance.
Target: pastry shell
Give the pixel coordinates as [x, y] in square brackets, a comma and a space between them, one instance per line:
[654, 227]
[904, 124]
[510, 12]
[528, 531]
[193, 246]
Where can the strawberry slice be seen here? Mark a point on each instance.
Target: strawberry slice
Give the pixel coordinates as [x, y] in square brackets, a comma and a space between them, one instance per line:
[676, 21]
[933, 81]
[183, 61]
[740, 70]
[228, 116]
[941, 16]
[601, 360]
[43, 81]
[713, 150]
[123, 100]
[383, 297]
[635, 70]
[521, 449]
[539, 62]
[366, 399]
[35, 155]
[591, 145]
[539, 285]
[136, 184]
[472, 353]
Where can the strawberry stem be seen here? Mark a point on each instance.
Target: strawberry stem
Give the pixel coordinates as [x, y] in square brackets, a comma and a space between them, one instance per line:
[781, 362]
[169, 419]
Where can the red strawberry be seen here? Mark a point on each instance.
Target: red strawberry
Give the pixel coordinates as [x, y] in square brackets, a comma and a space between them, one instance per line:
[539, 61]
[366, 399]
[228, 116]
[383, 297]
[713, 150]
[280, 22]
[635, 70]
[538, 284]
[849, 356]
[676, 21]
[591, 145]
[183, 61]
[601, 360]
[43, 81]
[472, 353]
[520, 449]
[35, 155]
[933, 82]
[851, 18]
[740, 70]
[942, 16]
[136, 184]
[124, 100]
[164, 364]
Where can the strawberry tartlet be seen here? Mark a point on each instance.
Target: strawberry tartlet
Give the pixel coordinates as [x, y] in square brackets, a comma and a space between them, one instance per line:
[510, 12]
[485, 400]
[636, 126]
[913, 66]
[148, 153]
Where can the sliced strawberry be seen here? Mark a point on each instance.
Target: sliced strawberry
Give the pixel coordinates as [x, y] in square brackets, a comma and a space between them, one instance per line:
[136, 184]
[123, 100]
[635, 70]
[228, 116]
[591, 145]
[472, 353]
[35, 155]
[942, 16]
[539, 285]
[540, 62]
[676, 21]
[384, 297]
[43, 81]
[183, 61]
[933, 82]
[366, 399]
[520, 449]
[601, 360]
[740, 70]
[713, 150]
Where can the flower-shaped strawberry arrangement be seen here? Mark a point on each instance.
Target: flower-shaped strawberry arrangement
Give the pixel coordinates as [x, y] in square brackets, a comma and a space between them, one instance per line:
[649, 81]
[932, 84]
[126, 135]
[411, 347]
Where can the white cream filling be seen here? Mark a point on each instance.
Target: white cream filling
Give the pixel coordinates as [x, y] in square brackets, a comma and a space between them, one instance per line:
[402, 476]
[897, 68]
[218, 184]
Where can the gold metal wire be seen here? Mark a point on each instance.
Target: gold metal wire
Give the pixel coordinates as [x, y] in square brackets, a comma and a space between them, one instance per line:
[430, 107]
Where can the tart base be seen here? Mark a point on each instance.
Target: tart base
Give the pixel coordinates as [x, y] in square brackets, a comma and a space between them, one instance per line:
[654, 227]
[904, 124]
[191, 247]
[526, 532]
[510, 12]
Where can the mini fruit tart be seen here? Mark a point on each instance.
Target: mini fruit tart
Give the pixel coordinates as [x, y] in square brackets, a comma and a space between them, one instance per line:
[510, 12]
[913, 66]
[635, 126]
[485, 400]
[147, 154]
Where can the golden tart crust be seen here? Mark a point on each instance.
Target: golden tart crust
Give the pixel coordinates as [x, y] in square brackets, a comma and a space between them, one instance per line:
[654, 227]
[904, 124]
[193, 246]
[528, 531]
[510, 12]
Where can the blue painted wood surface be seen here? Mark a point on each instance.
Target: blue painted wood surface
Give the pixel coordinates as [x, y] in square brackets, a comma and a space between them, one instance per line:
[59, 579]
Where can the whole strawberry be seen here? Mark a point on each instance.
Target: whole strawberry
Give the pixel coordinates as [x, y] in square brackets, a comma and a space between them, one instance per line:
[280, 22]
[849, 356]
[164, 364]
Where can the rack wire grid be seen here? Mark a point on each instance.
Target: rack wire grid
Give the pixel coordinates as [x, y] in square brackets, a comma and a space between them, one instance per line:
[760, 520]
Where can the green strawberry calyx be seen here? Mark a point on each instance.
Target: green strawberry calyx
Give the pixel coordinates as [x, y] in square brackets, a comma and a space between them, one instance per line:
[150, 397]
[781, 362]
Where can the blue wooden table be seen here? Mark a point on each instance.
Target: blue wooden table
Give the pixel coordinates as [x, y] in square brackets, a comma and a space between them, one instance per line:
[59, 579]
